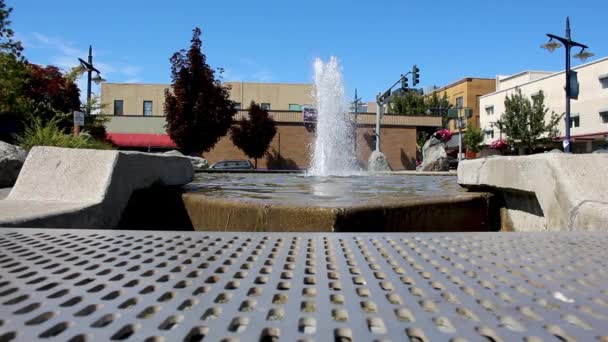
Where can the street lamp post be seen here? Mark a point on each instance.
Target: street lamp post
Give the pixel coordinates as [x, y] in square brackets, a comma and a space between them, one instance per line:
[89, 68]
[568, 43]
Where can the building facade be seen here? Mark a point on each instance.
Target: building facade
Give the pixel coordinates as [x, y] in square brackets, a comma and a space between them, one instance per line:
[465, 93]
[137, 122]
[589, 114]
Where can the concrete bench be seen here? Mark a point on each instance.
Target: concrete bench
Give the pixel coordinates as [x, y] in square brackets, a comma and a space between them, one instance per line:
[61, 187]
[550, 191]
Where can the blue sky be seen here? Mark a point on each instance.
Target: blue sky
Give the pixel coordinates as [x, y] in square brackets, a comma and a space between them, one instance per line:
[276, 41]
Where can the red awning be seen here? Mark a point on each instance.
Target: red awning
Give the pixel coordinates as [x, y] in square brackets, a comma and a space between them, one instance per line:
[141, 140]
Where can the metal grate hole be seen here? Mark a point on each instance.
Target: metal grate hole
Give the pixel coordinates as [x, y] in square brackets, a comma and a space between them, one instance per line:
[41, 318]
[87, 310]
[54, 330]
[104, 321]
[124, 333]
[27, 309]
[8, 336]
[196, 334]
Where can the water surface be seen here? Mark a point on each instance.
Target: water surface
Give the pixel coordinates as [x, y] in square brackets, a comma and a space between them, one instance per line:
[331, 191]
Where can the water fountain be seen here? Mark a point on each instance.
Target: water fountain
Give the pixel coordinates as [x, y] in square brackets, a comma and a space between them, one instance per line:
[333, 152]
[334, 195]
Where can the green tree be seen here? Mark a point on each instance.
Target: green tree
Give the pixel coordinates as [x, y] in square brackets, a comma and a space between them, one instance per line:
[439, 105]
[13, 72]
[8, 45]
[472, 139]
[197, 107]
[408, 103]
[524, 121]
[253, 136]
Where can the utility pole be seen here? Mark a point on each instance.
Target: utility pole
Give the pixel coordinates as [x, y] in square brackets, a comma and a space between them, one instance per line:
[382, 99]
[356, 104]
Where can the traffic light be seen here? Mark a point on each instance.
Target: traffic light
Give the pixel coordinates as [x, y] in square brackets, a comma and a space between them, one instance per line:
[404, 82]
[415, 75]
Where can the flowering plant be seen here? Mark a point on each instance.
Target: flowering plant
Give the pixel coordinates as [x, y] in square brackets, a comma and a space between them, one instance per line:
[499, 144]
[443, 135]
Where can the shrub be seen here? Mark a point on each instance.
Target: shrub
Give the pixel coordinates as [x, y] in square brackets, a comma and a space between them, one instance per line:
[40, 133]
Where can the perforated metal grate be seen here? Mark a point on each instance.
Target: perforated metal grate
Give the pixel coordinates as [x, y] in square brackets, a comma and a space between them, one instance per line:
[175, 286]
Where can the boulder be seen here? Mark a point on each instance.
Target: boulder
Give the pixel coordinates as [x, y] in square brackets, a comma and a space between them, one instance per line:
[11, 160]
[547, 191]
[81, 188]
[197, 162]
[434, 157]
[377, 162]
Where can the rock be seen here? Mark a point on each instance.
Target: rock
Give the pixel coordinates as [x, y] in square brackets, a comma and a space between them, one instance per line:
[601, 150]
[547, 191]
[197, 162]
[11, 160]
[434, 157]
[377, 162]
[80, 188]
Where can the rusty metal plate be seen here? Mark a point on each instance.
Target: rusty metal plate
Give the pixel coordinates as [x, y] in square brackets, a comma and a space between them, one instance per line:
[85, 285]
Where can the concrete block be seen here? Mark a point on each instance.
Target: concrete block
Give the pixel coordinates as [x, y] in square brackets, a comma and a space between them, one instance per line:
[60, 187]
[571, 190]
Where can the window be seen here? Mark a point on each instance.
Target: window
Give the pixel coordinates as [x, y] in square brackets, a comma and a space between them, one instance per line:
[294, 106]
[490, 110]
[575, 121]
[118, 105]
[459, 102]
[237, 105]
[604, 81]
[489, 134]
[604, 115]
[265, 106]
[147, 108]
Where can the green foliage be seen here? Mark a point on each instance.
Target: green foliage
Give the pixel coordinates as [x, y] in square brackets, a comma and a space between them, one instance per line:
[7, 44]
[472, 139]
[412, 103]
[198, 109]
[524, 121]
[409, 103]
[40, 133]
[253, 136]
[439, 106]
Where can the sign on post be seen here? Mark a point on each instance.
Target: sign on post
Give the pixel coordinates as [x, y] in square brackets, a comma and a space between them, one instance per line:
[78, 118]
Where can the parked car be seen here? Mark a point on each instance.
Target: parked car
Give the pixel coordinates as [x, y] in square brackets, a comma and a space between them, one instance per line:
[237, 164]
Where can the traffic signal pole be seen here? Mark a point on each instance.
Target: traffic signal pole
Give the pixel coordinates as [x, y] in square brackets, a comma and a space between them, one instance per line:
[382, 99]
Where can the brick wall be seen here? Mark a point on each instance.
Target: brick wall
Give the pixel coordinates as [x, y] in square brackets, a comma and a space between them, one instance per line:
[291, 147]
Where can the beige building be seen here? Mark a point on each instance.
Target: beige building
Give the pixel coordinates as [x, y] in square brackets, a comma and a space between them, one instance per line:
[137, 122]
[589, 114]
[148, 99]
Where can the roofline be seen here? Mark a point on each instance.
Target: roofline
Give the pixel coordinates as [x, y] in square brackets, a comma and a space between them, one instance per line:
[462, 80]
[599, 60]
[524, 72]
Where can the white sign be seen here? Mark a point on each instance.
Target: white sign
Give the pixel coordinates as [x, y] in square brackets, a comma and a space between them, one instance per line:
[565, 143]
[78, 118]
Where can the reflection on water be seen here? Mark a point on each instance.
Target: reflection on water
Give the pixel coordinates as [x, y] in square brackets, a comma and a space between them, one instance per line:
[301, 190]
